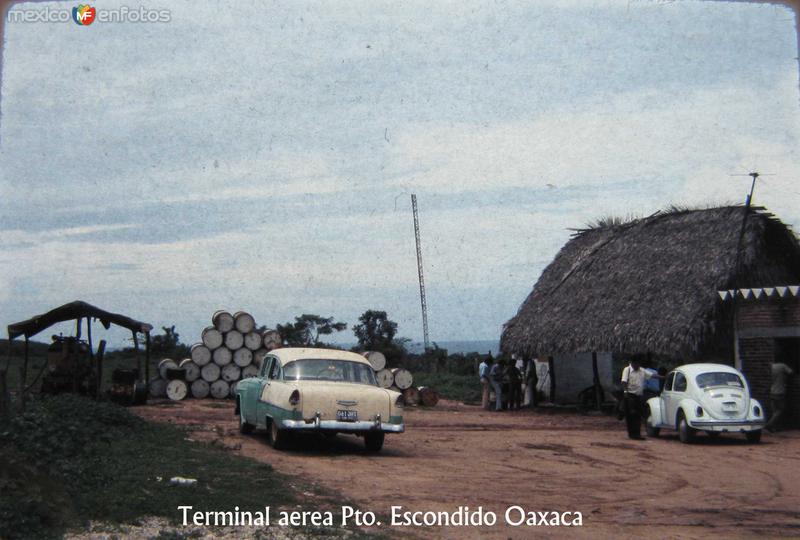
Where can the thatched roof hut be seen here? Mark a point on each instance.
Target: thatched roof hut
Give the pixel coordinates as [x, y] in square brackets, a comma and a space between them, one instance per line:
[650, 285]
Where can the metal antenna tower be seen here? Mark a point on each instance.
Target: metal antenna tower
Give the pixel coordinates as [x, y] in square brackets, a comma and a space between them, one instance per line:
[424, 304]
[747, 204]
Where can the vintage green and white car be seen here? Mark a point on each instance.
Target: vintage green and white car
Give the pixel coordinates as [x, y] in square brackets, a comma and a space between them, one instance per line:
[318, 390]
[714, 398]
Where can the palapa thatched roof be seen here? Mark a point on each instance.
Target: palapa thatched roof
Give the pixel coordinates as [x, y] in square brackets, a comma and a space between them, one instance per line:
[650, 284]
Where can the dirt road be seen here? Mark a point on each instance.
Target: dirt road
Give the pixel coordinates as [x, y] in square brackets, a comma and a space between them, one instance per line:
[456, 455]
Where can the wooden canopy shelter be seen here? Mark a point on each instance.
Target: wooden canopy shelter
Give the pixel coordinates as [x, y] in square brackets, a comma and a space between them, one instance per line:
[78, 311]
[650, 285]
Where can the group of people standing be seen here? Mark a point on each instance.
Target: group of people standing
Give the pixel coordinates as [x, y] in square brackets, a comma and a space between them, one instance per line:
[505, 377]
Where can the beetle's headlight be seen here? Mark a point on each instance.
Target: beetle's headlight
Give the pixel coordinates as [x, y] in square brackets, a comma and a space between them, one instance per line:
[400, 402]
[294, 399]
[699, 411]
[757, 410]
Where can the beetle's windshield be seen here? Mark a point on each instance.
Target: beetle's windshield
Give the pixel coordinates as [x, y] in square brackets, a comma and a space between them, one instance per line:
[719, 378]
[313, 369]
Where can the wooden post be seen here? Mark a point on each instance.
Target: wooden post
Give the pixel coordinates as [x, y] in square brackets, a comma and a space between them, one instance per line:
[533, 381]
[598, 400]
[23, 377]
[136, 348]
[4, 401]
[147, 357]
[551, 369]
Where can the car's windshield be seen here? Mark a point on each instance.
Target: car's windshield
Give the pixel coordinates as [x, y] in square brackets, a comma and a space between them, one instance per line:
[313, 369]
[719, 378]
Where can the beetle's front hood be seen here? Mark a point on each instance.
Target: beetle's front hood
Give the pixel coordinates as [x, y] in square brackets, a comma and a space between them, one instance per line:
[724, 402]
[328, 397]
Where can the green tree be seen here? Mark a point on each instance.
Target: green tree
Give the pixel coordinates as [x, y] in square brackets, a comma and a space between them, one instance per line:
[376, 331]
[166, 344]
[307, 329]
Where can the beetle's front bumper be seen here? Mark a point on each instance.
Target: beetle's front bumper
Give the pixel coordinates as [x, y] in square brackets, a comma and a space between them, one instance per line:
[730, 426]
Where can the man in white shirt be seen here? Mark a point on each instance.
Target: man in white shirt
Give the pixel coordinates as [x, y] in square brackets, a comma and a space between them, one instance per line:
[633, 379]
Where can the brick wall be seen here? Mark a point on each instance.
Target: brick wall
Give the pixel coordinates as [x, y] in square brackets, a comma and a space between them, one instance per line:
[758, 353]
[775, 312]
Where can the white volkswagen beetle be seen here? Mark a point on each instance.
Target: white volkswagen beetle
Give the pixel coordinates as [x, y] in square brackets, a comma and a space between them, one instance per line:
[713, 398]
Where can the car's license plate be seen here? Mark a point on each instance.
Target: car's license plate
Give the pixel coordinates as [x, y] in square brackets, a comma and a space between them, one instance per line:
[347, 416]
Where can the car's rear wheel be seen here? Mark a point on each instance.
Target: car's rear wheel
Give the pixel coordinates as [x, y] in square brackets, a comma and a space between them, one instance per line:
[753, 436]
[244, 426]
[685, 431]
[277, 437]
[374, 441]
[651, 430]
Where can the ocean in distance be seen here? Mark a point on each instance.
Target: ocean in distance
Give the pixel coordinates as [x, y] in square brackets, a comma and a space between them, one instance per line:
[456, 347]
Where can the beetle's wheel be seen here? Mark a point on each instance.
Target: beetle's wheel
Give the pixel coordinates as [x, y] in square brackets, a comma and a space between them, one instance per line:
[651, 430]
[753, 436]
[685, 431]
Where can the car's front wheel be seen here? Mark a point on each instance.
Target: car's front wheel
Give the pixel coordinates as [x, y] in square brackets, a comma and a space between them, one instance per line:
[374, 441]
[685, 431]
[753, 436]
[277, 437]
[649, 428]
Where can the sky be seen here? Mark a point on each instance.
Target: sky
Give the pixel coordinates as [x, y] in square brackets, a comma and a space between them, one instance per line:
[262, 156]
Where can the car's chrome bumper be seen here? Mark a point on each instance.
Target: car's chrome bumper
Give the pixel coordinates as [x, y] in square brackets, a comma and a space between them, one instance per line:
[335, 425]
[728, 425]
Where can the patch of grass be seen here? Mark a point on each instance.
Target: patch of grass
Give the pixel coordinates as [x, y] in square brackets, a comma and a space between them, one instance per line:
[464, 388]
[69, 460]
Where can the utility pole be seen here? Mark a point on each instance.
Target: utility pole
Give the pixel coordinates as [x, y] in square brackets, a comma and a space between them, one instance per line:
[423, 303]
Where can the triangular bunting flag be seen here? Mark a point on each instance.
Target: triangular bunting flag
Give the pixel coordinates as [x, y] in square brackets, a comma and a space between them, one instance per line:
[723, 295]
[781, 291]
[758, 293]
[793, 289]
[768, 291]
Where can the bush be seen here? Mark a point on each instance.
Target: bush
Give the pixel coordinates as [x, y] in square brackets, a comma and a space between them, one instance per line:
[68, 460]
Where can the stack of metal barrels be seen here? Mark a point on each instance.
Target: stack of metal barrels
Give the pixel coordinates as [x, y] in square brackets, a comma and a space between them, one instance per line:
[230, 349]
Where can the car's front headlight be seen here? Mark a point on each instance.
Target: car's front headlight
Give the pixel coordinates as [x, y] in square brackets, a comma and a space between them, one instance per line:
[756, 411]
[400, 402]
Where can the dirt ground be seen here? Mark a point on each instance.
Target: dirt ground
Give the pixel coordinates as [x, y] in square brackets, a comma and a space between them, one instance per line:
[457, 455]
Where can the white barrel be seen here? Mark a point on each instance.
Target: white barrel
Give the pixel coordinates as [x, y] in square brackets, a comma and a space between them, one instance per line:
[220, 389]
[252, 340]
[243, 357]
[402, 378]
[222, 356]
[200, 389]
[157, 387]
[210, 372]
[244, 322]
[231, 373]
[272, 340]
[234, 340]
[376, 359]
[166, 364]
[258, 356]
[222, 321]
[201, 355]
[177, 390]
[233, 388]
[192, 369]
[385, 378]
[212, 338]
[250, 371]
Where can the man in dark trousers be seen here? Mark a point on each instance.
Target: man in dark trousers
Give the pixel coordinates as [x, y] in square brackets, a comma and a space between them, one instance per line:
[633, 381]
